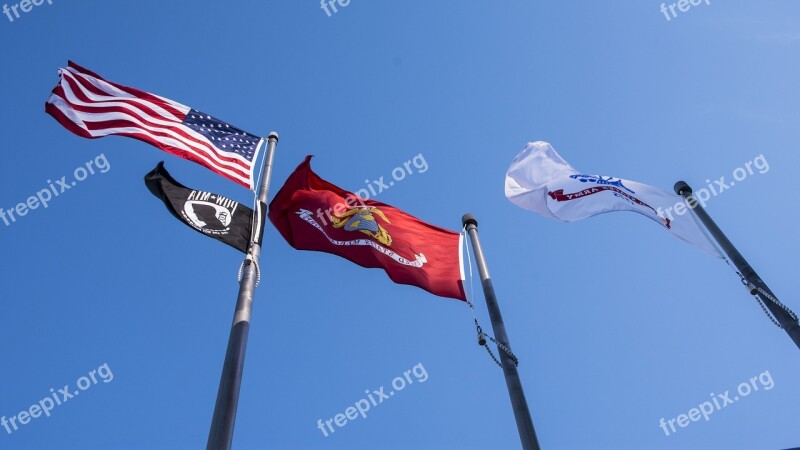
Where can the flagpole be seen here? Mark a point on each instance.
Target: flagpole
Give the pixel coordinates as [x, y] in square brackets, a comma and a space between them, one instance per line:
[220, 436]
[787, 322]
[527, 434]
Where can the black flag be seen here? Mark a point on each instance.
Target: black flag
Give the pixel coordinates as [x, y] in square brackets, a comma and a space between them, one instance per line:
[211, 214]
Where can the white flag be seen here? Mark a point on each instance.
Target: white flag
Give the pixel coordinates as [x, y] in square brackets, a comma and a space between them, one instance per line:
[540, 180]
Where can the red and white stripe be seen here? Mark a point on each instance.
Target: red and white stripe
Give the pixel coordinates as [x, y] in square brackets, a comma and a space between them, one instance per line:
[92, 107]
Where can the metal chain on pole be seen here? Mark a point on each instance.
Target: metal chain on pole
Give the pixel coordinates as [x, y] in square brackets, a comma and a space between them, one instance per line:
[522, 414]
[250, 260]
[758, 292]
[482, 342]
[766, 311]
[481, 335]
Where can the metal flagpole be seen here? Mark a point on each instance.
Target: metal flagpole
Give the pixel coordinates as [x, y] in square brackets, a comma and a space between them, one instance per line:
[521, 413]
[221, 435]
[784, 316]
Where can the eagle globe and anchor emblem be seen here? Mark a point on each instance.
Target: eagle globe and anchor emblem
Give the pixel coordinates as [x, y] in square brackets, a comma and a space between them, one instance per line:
[363, 220]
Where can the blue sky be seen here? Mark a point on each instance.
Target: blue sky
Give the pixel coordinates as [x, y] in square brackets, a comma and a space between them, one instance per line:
[616, 323]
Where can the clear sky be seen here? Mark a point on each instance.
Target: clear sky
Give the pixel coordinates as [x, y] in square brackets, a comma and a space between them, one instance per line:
[616, 323]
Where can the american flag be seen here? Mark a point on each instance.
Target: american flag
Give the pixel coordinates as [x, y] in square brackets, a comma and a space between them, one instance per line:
[92, 107]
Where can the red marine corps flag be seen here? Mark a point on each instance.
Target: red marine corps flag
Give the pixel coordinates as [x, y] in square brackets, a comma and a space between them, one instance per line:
[313, 214]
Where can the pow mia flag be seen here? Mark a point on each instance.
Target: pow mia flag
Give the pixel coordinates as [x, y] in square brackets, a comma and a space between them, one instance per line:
[211, 214]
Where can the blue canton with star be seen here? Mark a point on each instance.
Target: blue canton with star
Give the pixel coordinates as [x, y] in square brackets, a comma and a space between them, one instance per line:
[224, 136]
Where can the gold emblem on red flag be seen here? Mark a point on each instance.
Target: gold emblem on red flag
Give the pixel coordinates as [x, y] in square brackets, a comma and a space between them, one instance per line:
[363, 219]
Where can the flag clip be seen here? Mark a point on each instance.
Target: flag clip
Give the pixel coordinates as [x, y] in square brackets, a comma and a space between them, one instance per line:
[481, 336]
[483, 343]
[751, 288]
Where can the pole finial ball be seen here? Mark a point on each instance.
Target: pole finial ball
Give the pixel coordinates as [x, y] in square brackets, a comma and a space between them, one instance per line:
[469, 219]
[681, 187]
